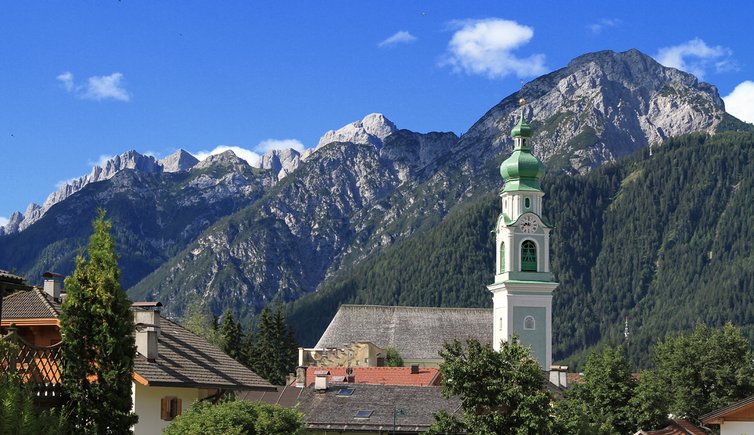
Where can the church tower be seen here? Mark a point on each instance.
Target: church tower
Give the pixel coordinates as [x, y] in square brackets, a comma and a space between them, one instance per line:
[523, 286]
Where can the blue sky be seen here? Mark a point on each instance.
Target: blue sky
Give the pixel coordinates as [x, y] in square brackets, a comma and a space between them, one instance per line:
[83, 80]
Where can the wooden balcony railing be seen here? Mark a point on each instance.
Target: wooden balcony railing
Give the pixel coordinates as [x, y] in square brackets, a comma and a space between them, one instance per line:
[37, 366]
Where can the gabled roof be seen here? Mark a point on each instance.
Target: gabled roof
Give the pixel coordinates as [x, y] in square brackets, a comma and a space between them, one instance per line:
[184, 359]
[417, 333]
[330, 411]
[676, 427]
[29, 304]
[379, 375]
[187, 360]
[738, 411]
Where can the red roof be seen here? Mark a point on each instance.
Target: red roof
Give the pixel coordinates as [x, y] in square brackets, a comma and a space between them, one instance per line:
[378, 375]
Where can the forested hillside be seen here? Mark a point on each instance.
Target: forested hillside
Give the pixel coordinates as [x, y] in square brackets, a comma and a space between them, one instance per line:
[664, 239]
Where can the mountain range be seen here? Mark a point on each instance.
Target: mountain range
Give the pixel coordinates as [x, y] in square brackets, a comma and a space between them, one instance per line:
[223, 234]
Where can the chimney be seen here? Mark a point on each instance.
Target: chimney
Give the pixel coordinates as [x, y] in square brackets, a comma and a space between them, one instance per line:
[147, 322]
[301, 377]
[53, 284]
[320, 380]
[559, 376]
[414, 369]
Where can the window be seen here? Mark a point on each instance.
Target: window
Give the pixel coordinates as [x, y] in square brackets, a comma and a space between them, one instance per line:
[528, 256]
[170, 407]
[345, 392]
[501, 324]
[502, 257]
[527, 202]
[529, 323]
[363, 413]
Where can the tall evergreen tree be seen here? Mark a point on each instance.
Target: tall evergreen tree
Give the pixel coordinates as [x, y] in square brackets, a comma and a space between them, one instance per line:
[231, 336]
[98, 340]
[274, 349]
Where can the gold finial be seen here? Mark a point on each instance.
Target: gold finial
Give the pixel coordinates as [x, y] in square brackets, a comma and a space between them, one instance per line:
[521, 102]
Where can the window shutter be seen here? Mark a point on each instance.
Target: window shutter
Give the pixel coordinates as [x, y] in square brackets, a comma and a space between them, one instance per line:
[165, 408]
[178, 407]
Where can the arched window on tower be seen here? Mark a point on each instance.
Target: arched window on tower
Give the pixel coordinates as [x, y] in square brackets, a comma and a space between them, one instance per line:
[502, 257]
[528, 256]
[529, 323]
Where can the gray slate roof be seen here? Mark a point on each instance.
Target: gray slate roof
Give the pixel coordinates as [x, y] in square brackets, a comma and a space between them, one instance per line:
[329, 411]
[31, 304]
[415, 332]
[187, 360]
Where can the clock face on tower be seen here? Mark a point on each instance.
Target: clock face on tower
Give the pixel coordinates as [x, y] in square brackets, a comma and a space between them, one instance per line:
[528, 224]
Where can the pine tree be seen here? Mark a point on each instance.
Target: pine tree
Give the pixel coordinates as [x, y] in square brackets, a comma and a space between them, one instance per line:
[275, 348]
[98, 340]
[231, 336]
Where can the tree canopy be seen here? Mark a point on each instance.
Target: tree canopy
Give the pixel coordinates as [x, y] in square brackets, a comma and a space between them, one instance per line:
[236, 418]
[501, 392]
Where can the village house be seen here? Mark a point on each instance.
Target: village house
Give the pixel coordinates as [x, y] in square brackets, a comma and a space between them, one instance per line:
[173, 367]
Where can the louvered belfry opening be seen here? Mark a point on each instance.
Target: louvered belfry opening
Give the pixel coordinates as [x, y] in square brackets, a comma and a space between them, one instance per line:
[39, 367]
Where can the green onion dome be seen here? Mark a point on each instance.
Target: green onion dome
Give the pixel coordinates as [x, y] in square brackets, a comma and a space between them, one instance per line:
[522, 170]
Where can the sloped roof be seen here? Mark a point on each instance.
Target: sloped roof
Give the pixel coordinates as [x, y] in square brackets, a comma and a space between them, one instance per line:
[30, 304]
[730, 412]
[187, 360]
[676, 427]
[184, 359]
[330, 411]
[415, 332]
[380, 375]
[10, 277]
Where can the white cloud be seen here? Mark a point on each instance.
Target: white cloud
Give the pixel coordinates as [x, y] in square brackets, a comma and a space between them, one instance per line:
[67, 80]
[401, 37]
[279, 144]
[740, 102]
[101, 160]
[97, 88]
[3, 221]
[251, 157]
[104, 87]
[696, 57]
[485, 47]
[598, 27]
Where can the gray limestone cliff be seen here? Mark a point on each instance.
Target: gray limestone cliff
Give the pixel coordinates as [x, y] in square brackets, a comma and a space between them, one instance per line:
[281, 162]
[600, 107]
[373, 129]
[178, 161]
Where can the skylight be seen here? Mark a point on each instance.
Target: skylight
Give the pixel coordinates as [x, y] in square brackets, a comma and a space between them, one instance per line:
[345, 392]
[363, 413]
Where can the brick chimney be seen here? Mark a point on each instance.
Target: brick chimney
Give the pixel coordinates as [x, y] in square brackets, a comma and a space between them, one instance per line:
[53, 284]
[147, 320]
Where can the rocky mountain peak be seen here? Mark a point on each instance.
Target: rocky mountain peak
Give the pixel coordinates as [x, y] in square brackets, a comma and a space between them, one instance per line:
[226, 158]
[281, 162]
[179, 161]
[128, 160]
[602, 106]
[373, 129]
